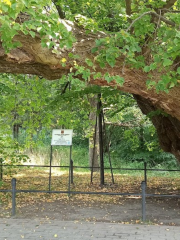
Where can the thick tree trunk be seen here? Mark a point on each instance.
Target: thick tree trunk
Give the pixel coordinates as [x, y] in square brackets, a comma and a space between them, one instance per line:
[31, 58]
[168, 127]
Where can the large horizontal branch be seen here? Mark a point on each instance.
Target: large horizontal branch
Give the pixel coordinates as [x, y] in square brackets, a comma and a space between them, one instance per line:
[31, 58]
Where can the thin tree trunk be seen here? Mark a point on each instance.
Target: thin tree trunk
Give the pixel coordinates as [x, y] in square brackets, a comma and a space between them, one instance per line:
[94, 135]
[15, 127]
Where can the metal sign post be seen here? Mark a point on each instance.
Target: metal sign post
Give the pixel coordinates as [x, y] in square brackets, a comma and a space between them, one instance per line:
[143, 188]
[1, 169]
[69, 185]
[50, 167]
[61, 137]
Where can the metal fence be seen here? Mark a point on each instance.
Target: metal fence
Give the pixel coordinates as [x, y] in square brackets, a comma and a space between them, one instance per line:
[71, 168]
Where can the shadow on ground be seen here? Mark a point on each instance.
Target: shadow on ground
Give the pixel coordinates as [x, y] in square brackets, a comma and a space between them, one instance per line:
[128, 210]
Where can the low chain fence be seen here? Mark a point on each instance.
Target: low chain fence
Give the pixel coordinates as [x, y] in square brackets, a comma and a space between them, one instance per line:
[143, 194]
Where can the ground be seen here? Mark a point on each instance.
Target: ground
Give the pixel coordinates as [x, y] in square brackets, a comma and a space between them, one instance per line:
[161, 211]
[96, 208]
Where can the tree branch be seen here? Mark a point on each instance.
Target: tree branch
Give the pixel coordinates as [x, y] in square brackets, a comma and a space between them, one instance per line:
[128, 7]
[59, 9]
[169, 3]
[64, 90]
[127, 124]
[171, 11]
[169, 22]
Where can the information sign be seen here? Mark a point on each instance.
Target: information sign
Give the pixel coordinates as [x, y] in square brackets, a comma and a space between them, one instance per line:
[62, 137]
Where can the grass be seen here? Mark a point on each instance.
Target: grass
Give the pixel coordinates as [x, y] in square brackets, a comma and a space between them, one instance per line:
[61, 155]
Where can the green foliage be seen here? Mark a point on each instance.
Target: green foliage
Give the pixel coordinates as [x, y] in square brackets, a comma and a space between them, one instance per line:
[47, 108]
[132, 136]
[127, 35]
[37, 106]
[10, 152]
[39, 16]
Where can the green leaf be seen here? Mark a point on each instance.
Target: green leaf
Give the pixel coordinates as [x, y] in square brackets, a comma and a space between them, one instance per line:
[89, 62]
[108, 78]
[171, 85]
[32, 34]
[102, 64]
[98, 42]
[167, 62]
[4, 7]
[95, 49]
[119, 79]
[44, 43]
[69, 43]
[150, 84]
[110, 60]
[178, 70]
[86, 74]
[97, 75]
[146, 69]
[153, 66]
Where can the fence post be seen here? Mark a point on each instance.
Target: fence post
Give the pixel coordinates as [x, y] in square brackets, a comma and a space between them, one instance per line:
[143, 187]
[13, 183]
[1, 168]
[50, 167]
[145, 172]
[71, 163]
[70, 172]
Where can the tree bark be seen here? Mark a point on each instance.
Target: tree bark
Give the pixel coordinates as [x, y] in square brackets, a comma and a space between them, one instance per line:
[168, 127]
[128, 7]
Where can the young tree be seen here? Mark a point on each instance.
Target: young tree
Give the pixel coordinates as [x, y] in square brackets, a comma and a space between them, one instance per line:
[131, 45]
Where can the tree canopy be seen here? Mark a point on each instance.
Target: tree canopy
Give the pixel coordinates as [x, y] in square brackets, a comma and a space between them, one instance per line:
[131, 45]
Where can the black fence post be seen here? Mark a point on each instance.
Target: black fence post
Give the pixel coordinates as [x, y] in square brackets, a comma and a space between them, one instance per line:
[50, 167]
[145, 172]
[70, 172]
[101, 154]
[13, 183]
[143, 188]
[71, 163]
[1, 168]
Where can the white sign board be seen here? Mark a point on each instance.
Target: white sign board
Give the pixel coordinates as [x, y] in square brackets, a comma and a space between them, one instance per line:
[62, 137]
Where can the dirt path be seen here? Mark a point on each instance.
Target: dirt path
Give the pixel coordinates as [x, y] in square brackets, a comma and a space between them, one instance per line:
[158, 211]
